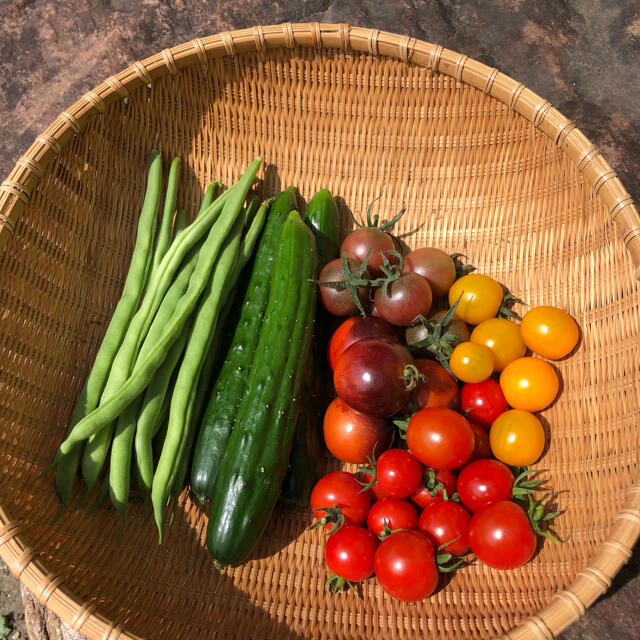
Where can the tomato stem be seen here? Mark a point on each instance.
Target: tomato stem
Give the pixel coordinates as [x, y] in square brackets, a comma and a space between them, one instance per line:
[506, 307]
[462, 269]
[332, 515]
[336, 584]
[411, 376]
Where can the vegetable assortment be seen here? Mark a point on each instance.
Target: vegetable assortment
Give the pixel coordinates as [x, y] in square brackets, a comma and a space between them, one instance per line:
[213, 369]
[434, 356]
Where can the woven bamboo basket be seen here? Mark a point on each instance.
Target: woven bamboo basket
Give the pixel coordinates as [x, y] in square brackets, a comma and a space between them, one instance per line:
[484, 166]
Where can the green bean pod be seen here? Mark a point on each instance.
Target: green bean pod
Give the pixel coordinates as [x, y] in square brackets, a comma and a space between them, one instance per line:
[67, 466]
[144, 370]
[163, 237]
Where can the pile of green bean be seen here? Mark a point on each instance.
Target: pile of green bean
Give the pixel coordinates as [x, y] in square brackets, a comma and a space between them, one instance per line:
[144, 391]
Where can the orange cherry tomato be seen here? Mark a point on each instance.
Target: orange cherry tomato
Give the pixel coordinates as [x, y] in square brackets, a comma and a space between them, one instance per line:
[480, 297]
[471, 362]
[351, 436]
[517, 438]
[529, 384]
[503, 337]
[550, 332]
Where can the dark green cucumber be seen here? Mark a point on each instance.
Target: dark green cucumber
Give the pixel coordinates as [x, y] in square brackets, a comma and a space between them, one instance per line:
[324, 220]
[257, 453]
[222, 407]
[306, 452]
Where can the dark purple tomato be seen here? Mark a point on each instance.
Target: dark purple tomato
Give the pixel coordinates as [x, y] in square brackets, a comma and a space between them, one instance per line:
[404, 299]
[339, 301]
[370, 375]
[433, 264]
[359, 242]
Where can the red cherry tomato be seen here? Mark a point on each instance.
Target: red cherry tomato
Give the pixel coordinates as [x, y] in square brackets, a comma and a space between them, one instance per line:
[446, 523]
[374, 489]
[392, 513]
[501, 535]
[434, 481]
[350, 553]
[370, 376]
[351, 436]
[482, 448]
[342, 490]
[440, 438]
[354, 329]
[339, 301]
[482, 402]
[405, 566]
[406, 298]
[369, 240]
[440, 389]
[398, 473]
[483, 482]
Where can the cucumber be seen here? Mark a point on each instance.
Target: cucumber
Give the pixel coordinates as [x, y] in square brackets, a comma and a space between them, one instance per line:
[306, 452]
[247, 318]
[324, 220]
[257, 453]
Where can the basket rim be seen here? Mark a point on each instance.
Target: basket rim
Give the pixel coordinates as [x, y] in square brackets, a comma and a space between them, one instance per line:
[594, 579]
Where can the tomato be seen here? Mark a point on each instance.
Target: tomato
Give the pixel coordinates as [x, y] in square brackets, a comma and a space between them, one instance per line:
[550, 332]
[440, 438]
[354, 329]
[392, 513]
[501, 535]
[481, 297]
[405, 566]
[483, 482]
[482, 448]
[351, 436]
[339, 301]
[446, 522]
[435, 482]
[503, 337]
[350, 553]
[529, 384]
[342, 490]
[433, 264]
[440, 389]
[369, 239]
[517, 438]
[456, 330]
[471, 362]
[404, 299]
[374, 489]
[482, 402]
[370, 376]
[398, 473]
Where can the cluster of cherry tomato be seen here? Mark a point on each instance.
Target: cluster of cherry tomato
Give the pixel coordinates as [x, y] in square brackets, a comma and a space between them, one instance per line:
[413, 512]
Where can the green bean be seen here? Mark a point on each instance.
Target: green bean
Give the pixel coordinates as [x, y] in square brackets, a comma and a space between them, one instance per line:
[180, 222]
[97, 447]
[144, 369]
[163, 238]
[198, 396]
[186, 383]
[67, 466]
[182, 400]
[152, 406]
[120, 467]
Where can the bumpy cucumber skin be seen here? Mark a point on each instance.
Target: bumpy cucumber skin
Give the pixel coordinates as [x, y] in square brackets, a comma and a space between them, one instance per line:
[323, 218]
[257, 453]
[230, 385]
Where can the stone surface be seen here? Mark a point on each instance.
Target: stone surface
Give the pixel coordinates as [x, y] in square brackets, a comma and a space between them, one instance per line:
[583, 55]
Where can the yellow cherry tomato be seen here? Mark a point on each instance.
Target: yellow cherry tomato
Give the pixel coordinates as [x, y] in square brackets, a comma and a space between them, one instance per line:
[529, 384]
[503, 337]
[550, 332]
[471, 362]
[481, 297]
[517, 438]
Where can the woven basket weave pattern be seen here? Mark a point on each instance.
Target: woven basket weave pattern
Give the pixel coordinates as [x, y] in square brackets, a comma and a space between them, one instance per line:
[476, 177]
